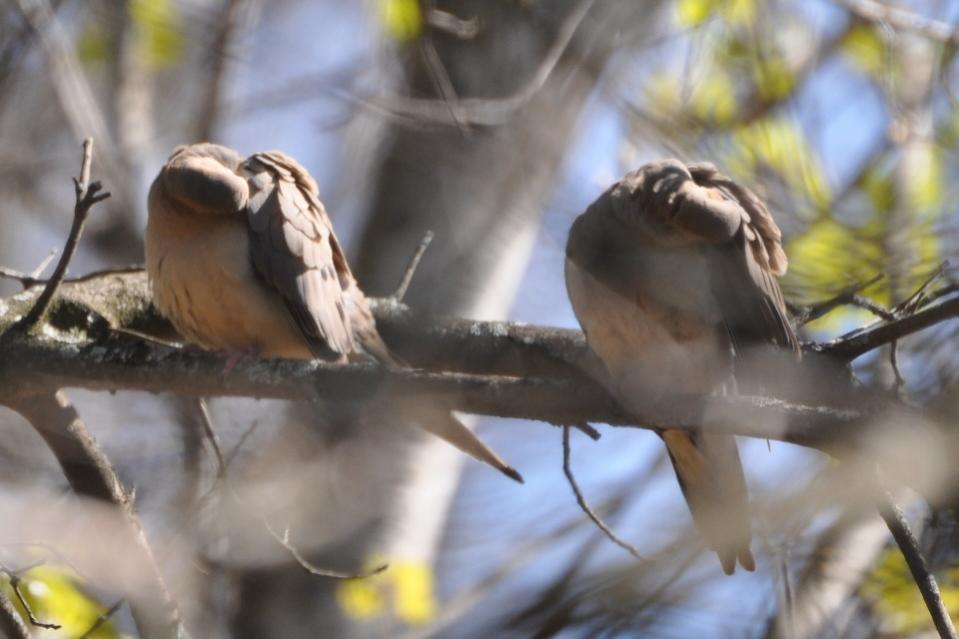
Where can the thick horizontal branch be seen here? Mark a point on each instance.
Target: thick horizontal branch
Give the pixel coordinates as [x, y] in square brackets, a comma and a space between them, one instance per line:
[504, 370]
[122, 363]
[860, 342]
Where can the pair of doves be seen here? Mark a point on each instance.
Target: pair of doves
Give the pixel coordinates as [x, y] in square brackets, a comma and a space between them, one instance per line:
[671, 273]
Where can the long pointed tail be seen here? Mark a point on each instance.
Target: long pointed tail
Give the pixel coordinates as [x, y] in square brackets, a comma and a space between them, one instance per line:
[711, 477]
[444, 425]
[439, 422]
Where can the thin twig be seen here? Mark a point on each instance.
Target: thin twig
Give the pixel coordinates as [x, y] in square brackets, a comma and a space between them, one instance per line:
[492, 111]
[899, 18]
[33, 277]
[210, 434]
[284, 541]
[404, 284]
[806, 315]
[240, 442]
[102, 619]
[11, 621]
[854, 344]
[581, 500]
[587, 430]
[15, 581]
[876, 309]
[925, 581]
[44, 263]
[464, 29]
[914, 301]
[87, 194]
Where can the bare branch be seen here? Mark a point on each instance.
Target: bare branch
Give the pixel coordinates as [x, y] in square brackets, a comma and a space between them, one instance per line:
[11, 623]
[102, 619]
[404, 284]
[490, 111]
[925, 581]
[15, 581]
[846, 296]
[581, 500]
[91, 474]
[899, 18]
[284, 541]
[853, 345]
[87, 195]
[210, 435]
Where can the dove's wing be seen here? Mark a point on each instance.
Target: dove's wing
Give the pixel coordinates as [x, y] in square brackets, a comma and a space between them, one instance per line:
[294, 250]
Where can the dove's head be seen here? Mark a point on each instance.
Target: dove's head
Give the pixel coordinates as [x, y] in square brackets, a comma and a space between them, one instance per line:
[222, 154]
[644, 200]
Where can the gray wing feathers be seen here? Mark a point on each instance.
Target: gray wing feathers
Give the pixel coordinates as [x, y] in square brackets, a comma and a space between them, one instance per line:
[293, 249]
[752, 314]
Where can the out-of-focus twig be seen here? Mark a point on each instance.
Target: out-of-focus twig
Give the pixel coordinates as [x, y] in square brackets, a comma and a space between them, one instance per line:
[404, 284]
[87, 194]
[584, 505]
[284, 540]
[464, 29]
[102, 619]
[219, 54]
[11, 623]
[900, 18]
[15, 581]
[490, 111]
[207, 423]
[853, 345]
[925, 581]
[33, 277]
[846, 296]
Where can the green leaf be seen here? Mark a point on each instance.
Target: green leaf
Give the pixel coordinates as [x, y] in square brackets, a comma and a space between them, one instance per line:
[405, 591]
[896, 598]
[738, 12]
[779, 144]
[774, 79]
[56, 595]
[92, 44]
[865, 49]
[159, 31]
[402, 19]
[692, 13]
[713, 98]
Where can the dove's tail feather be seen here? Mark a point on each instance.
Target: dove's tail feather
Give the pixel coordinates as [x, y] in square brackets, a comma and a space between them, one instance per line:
[711, 477]
[437, 421]
[446, 426]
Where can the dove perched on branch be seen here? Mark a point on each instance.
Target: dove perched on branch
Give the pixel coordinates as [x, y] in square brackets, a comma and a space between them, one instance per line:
[242, 258]
[672, 275]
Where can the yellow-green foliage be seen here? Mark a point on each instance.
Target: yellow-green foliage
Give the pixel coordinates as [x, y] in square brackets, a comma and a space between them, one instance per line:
[779, 144]
[691, 13]
[157, 30]
[56, 595]
[896, 599]
[404, 590]
[864, 48]
[402, 19]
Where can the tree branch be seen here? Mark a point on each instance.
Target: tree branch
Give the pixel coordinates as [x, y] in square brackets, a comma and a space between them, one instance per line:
[862, 341]
[87, 195]
[925, 581]
[11, 623]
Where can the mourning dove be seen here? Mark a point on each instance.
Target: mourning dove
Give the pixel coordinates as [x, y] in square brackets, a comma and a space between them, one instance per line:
[242, 258]
[672, 275]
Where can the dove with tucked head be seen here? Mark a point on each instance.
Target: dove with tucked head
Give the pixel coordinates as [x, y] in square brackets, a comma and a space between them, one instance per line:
[242, 258]
[672, 275]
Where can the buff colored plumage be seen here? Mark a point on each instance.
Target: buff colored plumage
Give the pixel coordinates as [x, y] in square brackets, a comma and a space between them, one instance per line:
[242, 257]
[672, 275]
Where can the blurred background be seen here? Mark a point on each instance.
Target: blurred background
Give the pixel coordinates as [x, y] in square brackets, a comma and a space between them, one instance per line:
[493, 123]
